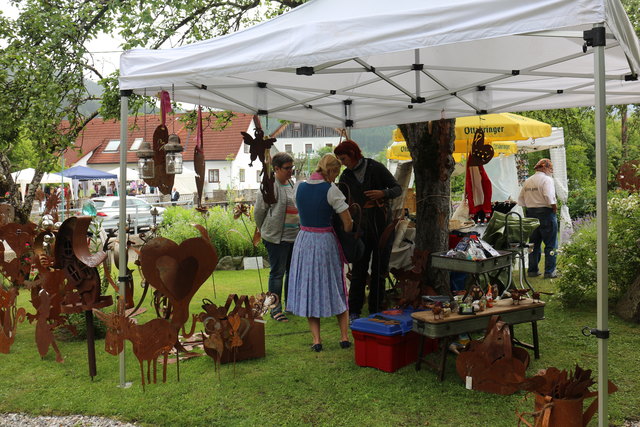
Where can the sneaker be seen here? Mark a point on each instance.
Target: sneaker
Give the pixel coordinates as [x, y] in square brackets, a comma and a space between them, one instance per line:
[550, 275]
[534, 273]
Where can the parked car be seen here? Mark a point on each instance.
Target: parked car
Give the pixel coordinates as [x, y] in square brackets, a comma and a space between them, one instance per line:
[138, 211]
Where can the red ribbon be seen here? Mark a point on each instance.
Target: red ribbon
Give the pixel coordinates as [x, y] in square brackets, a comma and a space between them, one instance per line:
[165, 106]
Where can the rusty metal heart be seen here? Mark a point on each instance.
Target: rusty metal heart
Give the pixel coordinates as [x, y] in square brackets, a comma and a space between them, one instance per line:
[177, 271]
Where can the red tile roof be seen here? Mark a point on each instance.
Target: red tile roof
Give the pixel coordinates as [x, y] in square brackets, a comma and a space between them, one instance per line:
[218, 144]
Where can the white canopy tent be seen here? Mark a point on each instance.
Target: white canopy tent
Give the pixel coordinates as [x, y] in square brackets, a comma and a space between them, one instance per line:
[362, 63]
[25, 176]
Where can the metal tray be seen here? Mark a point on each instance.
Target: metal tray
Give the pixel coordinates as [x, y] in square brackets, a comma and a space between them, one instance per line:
[439, 260]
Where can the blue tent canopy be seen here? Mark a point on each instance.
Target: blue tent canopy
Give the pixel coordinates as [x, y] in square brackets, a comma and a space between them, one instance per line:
[83, 173]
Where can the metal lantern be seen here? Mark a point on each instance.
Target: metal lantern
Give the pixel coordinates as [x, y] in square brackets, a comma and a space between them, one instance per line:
[174, 154]
[146, 164]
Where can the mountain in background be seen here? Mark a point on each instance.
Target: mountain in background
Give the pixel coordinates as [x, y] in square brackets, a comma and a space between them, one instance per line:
[373, 140]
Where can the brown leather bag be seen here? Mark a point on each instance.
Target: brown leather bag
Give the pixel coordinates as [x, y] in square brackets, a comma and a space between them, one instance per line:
[493, 364]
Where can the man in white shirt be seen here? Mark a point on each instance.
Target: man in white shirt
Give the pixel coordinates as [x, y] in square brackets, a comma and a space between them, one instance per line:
[538, 197]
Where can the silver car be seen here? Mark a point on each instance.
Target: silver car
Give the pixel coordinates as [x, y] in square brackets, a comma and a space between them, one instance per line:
[139, 213]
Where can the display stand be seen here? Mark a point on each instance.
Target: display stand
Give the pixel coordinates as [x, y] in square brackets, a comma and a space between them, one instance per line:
[446, 329]
[520, 249]
[474, 268]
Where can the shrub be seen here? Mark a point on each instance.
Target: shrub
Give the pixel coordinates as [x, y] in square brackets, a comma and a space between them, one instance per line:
[582, 202]
[78, 321]
[577, 261]
[229, 236]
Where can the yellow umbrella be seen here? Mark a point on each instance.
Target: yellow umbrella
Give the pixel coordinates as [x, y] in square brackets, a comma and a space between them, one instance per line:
[500, 131]
[399, 150]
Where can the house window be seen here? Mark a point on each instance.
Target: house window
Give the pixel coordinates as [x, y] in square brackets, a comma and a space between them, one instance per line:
[319, 131]
[297, 125]
[247, 148]
[308, 148]
[112, 146]
[135, 145]
[287, 148]
[214, 175]
[328, 145]
[258, 176]
[241, 175]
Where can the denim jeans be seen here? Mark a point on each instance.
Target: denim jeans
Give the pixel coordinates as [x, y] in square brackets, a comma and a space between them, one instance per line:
[547, 233]
[280, 261]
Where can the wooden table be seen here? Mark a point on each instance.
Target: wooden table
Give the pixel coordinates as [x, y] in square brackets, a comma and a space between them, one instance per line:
[446, 329]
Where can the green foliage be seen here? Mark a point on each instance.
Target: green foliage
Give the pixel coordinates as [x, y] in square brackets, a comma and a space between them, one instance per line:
[577, 260]
[229, 236]
[78, 321]
[582, 201]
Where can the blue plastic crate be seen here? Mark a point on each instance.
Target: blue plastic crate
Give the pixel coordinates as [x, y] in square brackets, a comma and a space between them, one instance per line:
[366, 324]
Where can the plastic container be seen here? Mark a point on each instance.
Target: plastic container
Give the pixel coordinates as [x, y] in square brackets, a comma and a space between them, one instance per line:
[387, 346]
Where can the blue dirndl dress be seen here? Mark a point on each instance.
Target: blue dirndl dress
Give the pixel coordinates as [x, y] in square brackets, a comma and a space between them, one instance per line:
[316, 278]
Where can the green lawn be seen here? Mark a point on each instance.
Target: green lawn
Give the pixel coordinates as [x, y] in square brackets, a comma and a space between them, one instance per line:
[294, 386]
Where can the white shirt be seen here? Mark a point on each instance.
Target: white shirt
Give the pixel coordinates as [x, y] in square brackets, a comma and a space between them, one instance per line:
[538, 191]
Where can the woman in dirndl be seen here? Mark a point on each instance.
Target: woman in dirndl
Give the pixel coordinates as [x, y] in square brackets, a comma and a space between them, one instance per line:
[317, 285]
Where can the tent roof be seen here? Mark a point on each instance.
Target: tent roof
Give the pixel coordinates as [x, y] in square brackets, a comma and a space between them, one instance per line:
[25, 176]
[84, 173]
[555, 140]
[409, 62]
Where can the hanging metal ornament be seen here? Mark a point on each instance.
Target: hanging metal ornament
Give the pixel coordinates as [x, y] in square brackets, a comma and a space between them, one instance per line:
[481, 153]
[162, 180]
[198, 157]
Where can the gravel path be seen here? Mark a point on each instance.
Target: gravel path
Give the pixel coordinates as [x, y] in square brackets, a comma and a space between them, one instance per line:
[21, 420]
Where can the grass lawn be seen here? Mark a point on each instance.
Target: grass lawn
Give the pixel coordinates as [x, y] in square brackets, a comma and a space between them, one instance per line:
[294, 386]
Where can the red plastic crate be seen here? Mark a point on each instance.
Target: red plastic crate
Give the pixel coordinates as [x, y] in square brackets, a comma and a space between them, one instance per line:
[389, 353]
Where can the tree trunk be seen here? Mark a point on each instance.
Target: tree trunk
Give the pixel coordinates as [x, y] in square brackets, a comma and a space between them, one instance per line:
[431, 146]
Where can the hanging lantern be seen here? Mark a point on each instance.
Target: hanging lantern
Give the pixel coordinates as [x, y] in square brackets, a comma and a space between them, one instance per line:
[146, 164]
[174, 154]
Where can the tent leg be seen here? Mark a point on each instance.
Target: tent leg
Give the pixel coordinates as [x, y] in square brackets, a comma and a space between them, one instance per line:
[122, 234]
[602, 225]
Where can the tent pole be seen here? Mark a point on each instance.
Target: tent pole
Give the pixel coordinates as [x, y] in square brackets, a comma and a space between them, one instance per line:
[602, 225]
[122, 233]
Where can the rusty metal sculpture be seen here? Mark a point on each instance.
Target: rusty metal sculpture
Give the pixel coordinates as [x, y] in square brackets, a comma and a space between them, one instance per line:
[235, 331]
[19, 237]
[10, 316]
[259, 148]
[72, 255]
[162, 180]
[178, 271]
[7, 214]
[82, 292]
[198, 157]
[408, 281]
[481, 153]
[493, 364]
[149, 341]
[44, 330]
[258, 145]
[559, 398]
